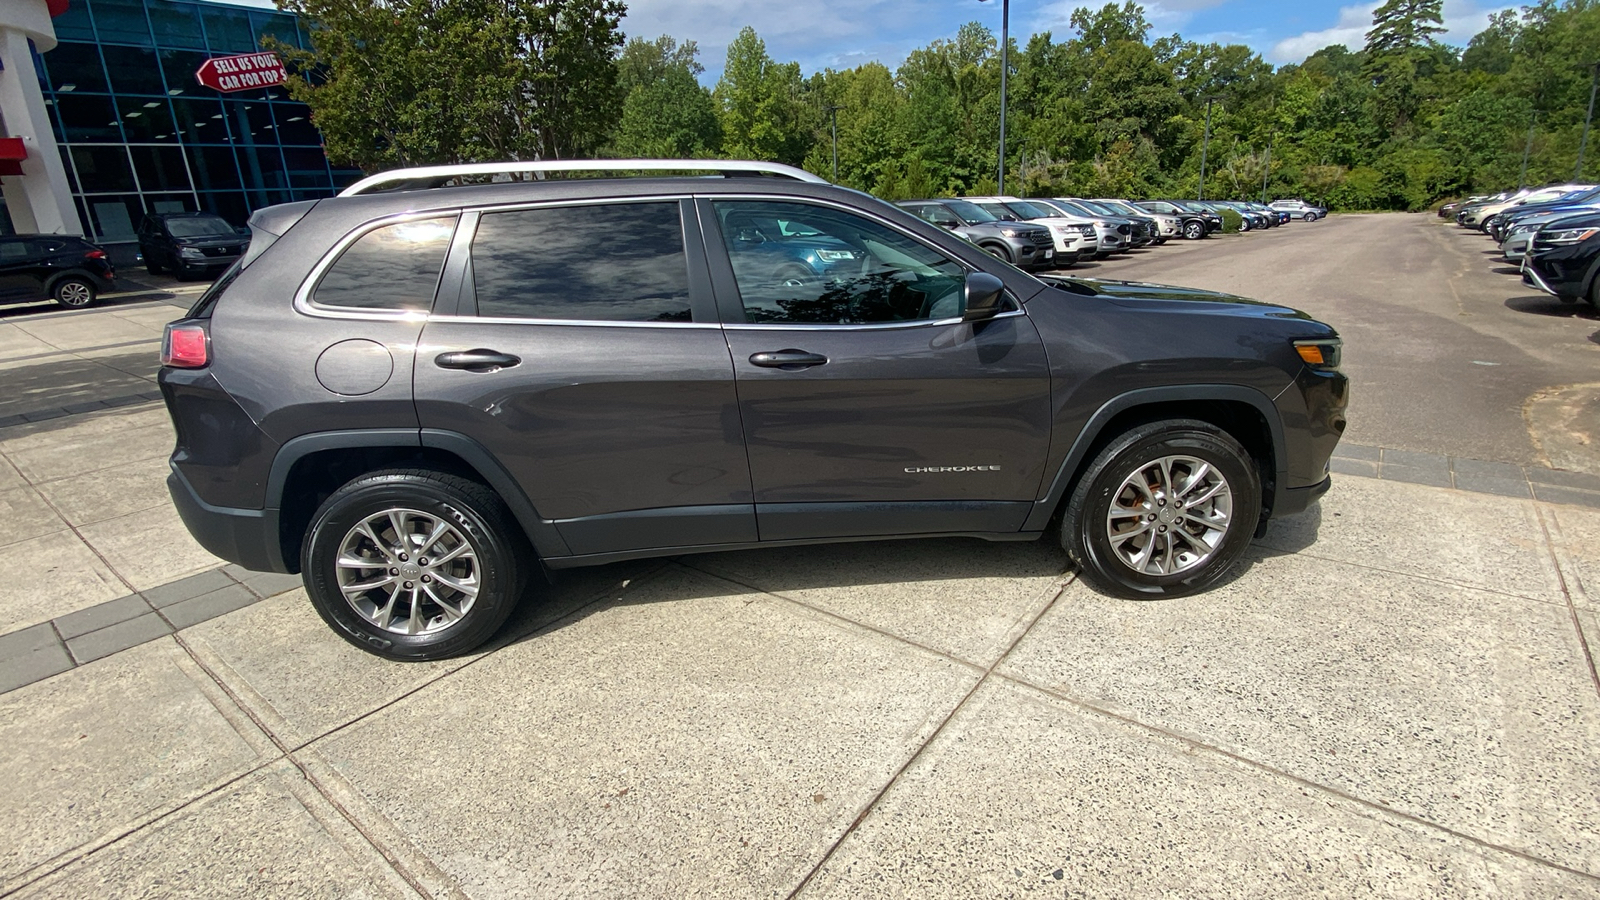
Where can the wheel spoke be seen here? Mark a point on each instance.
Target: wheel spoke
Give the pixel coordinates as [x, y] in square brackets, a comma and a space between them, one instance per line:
[450, 554]
[415, 620]
[359, 562]
[451, 613]
[468, 585]
[1123, 536]
[397, 521]
[1210, 492]
[373, 581]
[385, 616]
[1181, 510]
[1196, 478]
[365, 530]
[440, 529]
[361, 587]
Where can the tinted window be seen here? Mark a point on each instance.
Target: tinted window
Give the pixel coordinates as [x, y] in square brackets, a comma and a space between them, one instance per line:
[811, 264]
[971, 212]
[393, 267]
[612, 263]
[199, 226]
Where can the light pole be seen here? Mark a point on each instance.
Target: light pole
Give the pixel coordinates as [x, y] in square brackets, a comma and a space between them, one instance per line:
[833, 116]
[1005, 65]
[1267, 169]
[1205, 145]
[1527, 151]
[1594, 80]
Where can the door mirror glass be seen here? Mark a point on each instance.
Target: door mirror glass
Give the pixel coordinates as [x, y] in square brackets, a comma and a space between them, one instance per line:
[952, 224]
[985, 295]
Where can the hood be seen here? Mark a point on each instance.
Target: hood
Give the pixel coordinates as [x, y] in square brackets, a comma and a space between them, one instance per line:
[1139, 294]
[212, 240]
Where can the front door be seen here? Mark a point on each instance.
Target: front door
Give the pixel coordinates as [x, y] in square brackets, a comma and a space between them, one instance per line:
[585, 355]
[868, 406]
[19, 270]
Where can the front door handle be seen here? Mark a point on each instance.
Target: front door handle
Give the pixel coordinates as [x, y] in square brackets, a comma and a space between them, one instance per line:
[479, 360]
[787, 359]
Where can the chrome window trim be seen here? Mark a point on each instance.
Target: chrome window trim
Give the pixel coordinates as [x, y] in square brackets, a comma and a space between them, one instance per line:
[302, 296]
[586, 323]
[875, 326]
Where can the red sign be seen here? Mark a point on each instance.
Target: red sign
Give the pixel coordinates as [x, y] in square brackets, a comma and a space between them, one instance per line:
[242, 72]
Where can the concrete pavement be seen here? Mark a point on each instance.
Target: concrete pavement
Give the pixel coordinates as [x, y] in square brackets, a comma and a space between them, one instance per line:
[1394, 695]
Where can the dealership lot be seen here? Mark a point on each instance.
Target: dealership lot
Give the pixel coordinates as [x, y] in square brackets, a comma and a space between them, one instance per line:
[1396, 694]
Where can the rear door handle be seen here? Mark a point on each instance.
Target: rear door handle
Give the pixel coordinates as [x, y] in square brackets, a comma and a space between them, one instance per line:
[479, 360]
[787, 359]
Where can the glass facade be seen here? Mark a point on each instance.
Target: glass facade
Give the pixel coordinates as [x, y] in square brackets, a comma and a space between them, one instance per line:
[138, 134]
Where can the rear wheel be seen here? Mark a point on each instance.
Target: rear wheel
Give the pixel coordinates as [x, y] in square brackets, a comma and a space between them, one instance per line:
[73, 292]
[414, 564]
[1164, 511]
[998, 252]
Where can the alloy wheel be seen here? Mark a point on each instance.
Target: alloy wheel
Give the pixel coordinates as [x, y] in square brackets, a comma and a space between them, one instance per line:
[408, 572]
[1170, 516]
[74, 293]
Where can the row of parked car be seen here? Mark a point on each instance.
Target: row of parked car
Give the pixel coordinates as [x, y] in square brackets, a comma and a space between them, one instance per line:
[74, 272]
[1553, 233]
[1058, 232]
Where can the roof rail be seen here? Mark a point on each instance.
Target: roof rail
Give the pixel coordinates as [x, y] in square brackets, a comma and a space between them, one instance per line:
[440, 174]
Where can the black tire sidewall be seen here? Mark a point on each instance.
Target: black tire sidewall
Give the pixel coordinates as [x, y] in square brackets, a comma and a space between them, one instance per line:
[499, 581]
[1083, 533]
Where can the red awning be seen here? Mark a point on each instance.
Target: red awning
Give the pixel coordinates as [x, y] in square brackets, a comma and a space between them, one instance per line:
[12, 152]
[56, 7]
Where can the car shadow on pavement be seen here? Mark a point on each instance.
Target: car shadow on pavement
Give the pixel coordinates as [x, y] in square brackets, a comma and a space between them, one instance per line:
[1543, 305]
[65, 380]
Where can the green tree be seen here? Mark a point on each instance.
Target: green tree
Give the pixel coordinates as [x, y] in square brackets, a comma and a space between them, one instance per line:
[406, 82]
[763, 114]
[666, 112]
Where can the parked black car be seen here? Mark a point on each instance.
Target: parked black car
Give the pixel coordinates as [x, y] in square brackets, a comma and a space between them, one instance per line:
[63, 268]
[189, 244]
[1023, 245]
[1564, 260]
[1195, 224]
[417, 397]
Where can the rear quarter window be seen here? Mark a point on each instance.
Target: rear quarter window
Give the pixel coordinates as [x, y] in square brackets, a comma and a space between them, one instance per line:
[391, 267]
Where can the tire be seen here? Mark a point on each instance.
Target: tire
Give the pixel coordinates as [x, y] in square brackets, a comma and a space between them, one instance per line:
[151, 267]
[486, 550]
[997, 251]
[1309, 217]
[1169, 567]
[1245, 225]
[74, 292]
[1594, 294]
[1194, 231]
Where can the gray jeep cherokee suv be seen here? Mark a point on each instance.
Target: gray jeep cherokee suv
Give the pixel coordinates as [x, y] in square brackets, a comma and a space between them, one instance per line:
[415, 395]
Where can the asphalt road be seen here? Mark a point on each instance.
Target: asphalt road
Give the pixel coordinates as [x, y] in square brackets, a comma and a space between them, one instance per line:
[1447, 350]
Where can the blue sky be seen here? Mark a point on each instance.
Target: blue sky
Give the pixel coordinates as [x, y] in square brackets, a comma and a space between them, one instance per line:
[845, 33]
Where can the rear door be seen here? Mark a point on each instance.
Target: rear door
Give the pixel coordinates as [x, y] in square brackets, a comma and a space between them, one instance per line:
[584, 353]
[19, 270]
[868, 406]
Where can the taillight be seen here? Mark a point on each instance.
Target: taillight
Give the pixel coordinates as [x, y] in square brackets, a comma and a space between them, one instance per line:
[186, 347]
[95, 254]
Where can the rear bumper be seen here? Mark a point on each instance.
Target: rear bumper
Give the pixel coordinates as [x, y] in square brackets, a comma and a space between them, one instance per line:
[247, 537]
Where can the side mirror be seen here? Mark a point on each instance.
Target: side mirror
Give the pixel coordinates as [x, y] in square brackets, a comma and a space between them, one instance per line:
[948, 223]
[985, 295]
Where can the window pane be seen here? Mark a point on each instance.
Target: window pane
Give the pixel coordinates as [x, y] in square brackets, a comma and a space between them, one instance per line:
[113, 218]
[800, 263]
[294, 124]
[160, 168]
[134, 70]
[262, 167]
[121, 21]
[74, 24]
[275, 25]
[178, 67]
[75, 67]
[308, 168]
[393, 267]
[229, 205]
[568, 263]
[200, 120]
[176, 24]
[66, 164]
[213, 168]
[103, 169]
[88, 118]
[146, 119]
[227, 30]
[169, 203]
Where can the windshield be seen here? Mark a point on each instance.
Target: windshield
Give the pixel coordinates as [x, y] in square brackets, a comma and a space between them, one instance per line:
[1028, 211]
[971, 213]
[1076, 209]
[199, 226]
[1123, 208]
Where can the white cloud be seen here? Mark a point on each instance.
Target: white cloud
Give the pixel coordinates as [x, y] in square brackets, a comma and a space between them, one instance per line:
[1462, 20]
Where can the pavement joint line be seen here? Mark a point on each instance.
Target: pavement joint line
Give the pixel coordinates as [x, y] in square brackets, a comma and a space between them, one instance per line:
[403, 871]
[122, 401]
[1483, 589]
[1059, 588]
[1245, 761]
[1572, 608]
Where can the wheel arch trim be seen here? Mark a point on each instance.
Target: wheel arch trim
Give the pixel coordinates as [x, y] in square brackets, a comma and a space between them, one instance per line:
[1044, 509]
[546, 539]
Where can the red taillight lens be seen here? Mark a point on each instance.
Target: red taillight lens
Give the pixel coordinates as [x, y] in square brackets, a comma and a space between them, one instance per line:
[186, 347]
[95, 254]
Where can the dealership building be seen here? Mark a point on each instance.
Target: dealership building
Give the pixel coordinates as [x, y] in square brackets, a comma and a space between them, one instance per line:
[103, 118]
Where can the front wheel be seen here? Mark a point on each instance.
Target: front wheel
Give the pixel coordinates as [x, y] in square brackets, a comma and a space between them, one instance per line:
[1163, 511]
[1309, 217]
[1194, 231]
[998, 252]
[414, 564]
[73, 292]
